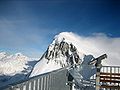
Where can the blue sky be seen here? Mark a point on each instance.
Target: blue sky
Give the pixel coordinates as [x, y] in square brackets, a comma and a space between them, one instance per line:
[28, 26]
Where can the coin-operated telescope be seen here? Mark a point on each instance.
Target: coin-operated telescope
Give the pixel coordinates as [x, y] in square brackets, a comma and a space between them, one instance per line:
[98, 60]
[98, 65]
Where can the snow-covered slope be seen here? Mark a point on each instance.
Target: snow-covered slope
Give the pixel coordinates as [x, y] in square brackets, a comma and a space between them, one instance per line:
[13, 64]
[63, 51]
[2, 55]
[14, 68]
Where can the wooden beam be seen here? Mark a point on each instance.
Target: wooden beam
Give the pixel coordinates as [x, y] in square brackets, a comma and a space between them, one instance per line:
[112, 87]
[112, 81]
[109, 77]
[102, 73]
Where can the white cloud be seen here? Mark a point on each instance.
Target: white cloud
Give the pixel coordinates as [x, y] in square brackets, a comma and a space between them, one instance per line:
[97, 44]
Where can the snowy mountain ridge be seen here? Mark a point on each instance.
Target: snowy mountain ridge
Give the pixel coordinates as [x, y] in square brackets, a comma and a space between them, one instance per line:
[14, 67]
[2, 55]
[13, 63]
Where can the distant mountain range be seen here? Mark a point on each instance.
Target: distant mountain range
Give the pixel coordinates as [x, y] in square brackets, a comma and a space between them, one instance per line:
[14, 68]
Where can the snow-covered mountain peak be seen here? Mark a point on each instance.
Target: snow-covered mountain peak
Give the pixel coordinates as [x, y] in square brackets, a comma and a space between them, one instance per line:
[14, 67]
[67, 36]
[18, 54]
[2, 54]
[13, 63]
[60, 53]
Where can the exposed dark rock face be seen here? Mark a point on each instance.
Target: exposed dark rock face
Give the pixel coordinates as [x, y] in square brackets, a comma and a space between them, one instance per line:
[60, 50]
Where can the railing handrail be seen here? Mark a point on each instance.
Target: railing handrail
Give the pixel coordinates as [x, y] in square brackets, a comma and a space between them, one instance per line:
[112, 66]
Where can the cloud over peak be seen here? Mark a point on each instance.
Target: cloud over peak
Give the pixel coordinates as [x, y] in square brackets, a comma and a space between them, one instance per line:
[97, 44]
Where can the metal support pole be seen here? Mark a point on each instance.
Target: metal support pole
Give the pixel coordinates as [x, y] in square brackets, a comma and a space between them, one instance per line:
[98, 77]
[98, 66]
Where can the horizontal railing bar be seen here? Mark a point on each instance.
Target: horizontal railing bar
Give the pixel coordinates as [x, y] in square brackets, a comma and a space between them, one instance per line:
[117, 74]
[112, 81]
[111, 66]
[109, 77]
[112, 87]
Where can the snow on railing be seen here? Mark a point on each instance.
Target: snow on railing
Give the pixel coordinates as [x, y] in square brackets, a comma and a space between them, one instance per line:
[108, 69]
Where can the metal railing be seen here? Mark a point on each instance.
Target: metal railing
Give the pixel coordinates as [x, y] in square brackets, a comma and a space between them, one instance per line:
[110, 69]
[106, 69]
[55, 80]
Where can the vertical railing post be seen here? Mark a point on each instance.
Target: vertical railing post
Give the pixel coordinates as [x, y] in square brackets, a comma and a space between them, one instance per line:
[98, 77]
[98, 66]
